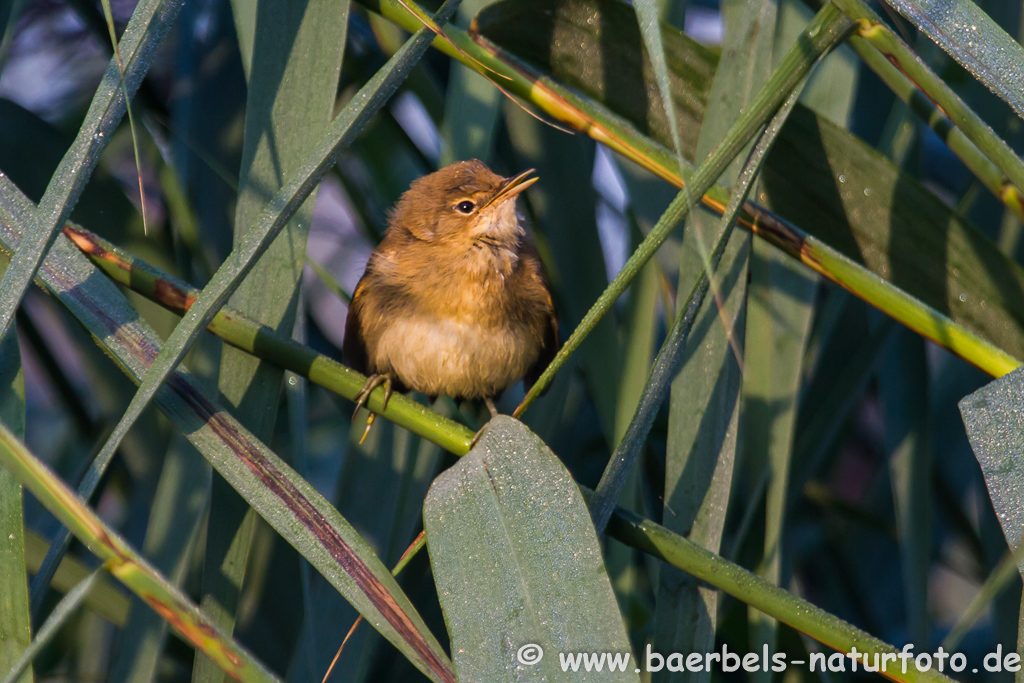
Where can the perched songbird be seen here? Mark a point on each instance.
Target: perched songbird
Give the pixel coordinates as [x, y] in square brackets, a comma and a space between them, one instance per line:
[455, 300]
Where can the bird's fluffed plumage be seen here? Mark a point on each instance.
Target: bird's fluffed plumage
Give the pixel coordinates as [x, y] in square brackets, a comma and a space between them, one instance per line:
[452, 303]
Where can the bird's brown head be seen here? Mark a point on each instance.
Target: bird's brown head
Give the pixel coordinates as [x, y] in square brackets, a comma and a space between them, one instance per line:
[464, 202]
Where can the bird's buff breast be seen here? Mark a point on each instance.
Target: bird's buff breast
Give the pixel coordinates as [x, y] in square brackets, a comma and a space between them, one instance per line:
[453, 358]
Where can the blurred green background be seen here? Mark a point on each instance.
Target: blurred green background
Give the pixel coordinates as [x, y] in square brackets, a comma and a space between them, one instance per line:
[809, 437]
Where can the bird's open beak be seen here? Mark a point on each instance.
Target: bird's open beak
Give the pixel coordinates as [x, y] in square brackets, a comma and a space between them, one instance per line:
[511, 187]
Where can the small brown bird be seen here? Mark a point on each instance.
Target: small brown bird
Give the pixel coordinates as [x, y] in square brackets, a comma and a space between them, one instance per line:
[454, 300]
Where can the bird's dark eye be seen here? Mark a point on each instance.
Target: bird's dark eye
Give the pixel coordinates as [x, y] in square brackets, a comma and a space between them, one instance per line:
[465, 207]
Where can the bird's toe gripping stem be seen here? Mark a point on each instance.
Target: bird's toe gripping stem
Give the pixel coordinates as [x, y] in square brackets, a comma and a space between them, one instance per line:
[372, 382]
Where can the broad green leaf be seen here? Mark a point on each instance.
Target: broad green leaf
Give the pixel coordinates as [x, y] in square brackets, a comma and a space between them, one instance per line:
[296, 62]
[995, 426]
[285, 500]
[149, 24]
[963, 30]
[517, 563]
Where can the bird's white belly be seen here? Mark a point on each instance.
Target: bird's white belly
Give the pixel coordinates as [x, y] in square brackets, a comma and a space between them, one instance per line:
[460, 359]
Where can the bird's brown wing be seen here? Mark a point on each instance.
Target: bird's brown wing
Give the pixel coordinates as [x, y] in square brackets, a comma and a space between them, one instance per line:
[542, 287]
[353, 350]
[547, 352]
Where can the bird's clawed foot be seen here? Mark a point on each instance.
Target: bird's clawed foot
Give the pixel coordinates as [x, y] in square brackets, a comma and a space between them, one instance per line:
[372, 382]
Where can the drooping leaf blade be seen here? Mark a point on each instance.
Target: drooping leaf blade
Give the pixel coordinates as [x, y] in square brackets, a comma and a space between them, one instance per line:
[517, 563]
